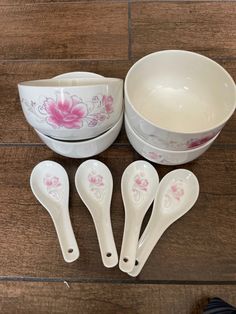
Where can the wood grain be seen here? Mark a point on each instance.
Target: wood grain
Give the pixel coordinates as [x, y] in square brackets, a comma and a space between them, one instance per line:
[43, 38]
[13, 72]
[38, 297]
[76, 30]
[201, 27]
[200, 246]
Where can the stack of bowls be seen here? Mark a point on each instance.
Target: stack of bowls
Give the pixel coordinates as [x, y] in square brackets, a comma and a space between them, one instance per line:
[76, 114]
[176, 104]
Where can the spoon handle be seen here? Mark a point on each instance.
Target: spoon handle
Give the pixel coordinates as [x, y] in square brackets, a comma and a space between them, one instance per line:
[69, 247]
[106, 239]
[145, 246]
[130, 242]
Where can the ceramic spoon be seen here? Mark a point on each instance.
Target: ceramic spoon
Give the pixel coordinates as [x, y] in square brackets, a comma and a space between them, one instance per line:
[176, 195]
[94, 184]
[50, 185]
[139, 184]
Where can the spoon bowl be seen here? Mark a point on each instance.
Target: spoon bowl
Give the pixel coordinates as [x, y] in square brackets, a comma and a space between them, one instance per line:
[177, 193]
[138, 186]
[50, 185]
[94, 184]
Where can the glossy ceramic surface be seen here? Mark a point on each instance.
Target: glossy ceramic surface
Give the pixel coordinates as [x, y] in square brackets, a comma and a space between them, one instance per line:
[161, 156]
[83, 149]
[70, 108]
[177, 193]
[178, 100]
[50, 184]
[139, 185]
[77, 74]
[94, 183]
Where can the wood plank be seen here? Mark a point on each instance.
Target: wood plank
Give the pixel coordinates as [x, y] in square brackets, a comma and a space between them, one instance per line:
[75, 30]
[13, 72]
[22, 2]
[200, 246]
[43, 297]
[201, 27]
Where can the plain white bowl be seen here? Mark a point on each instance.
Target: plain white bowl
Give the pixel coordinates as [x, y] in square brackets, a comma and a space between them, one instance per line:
[72, 108]
[83, 149]
[178, 99]
[162, 156]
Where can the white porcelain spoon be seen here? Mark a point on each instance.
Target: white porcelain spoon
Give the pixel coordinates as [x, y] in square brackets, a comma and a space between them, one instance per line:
[176, 195]
[50, 185]
[139, 184]
[94, 183]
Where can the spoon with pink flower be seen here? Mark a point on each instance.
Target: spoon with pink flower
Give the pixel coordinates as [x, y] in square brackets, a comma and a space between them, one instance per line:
[139, 185]
[177, 193]
[94, 184]
[50, 184]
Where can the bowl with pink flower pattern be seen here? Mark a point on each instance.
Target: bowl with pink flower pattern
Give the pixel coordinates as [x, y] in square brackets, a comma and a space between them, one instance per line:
[178, 100]
[72, 108]
[163, 156]
[85, 148]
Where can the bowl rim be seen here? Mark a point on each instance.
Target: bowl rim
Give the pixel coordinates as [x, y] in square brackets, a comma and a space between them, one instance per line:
[82, 142]
[85, 82]
[193, 150]
[185, 52]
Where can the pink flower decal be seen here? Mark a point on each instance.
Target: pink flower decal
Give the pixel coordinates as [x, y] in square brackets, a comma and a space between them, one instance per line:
[141, 183]
[174, 193]
[53, 185]
[154, 155]
[65, 111]
[70, 111]
[51, 182]
[177, 191]
[95, 179]
[96, 184]
[198, 142]
[108, 102]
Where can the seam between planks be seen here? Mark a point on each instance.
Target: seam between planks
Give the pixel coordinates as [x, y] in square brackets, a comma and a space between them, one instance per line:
[63, 2]
[116, 281]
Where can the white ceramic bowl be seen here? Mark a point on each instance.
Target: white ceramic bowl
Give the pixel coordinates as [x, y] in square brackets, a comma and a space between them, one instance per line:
[162, 156]
[72, 108]
[83, 149]
[177, 99]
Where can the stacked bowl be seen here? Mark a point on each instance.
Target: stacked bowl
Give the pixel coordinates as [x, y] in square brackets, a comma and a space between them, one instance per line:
[176, 104]
[76, 114]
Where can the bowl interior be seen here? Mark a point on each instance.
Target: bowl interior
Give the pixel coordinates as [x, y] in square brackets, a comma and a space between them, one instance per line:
[181, 91]
[70, 82]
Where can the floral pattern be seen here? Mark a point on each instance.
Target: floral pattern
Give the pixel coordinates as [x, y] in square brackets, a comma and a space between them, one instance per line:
[179, 145]
[70, 111]
[156, 157]
[177, 191]
[194, 143]
[96, 184]
[140, 185]
[52, 184]
[174, 193]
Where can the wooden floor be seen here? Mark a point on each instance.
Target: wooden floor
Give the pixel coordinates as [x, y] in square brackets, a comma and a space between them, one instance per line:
[196, 257]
